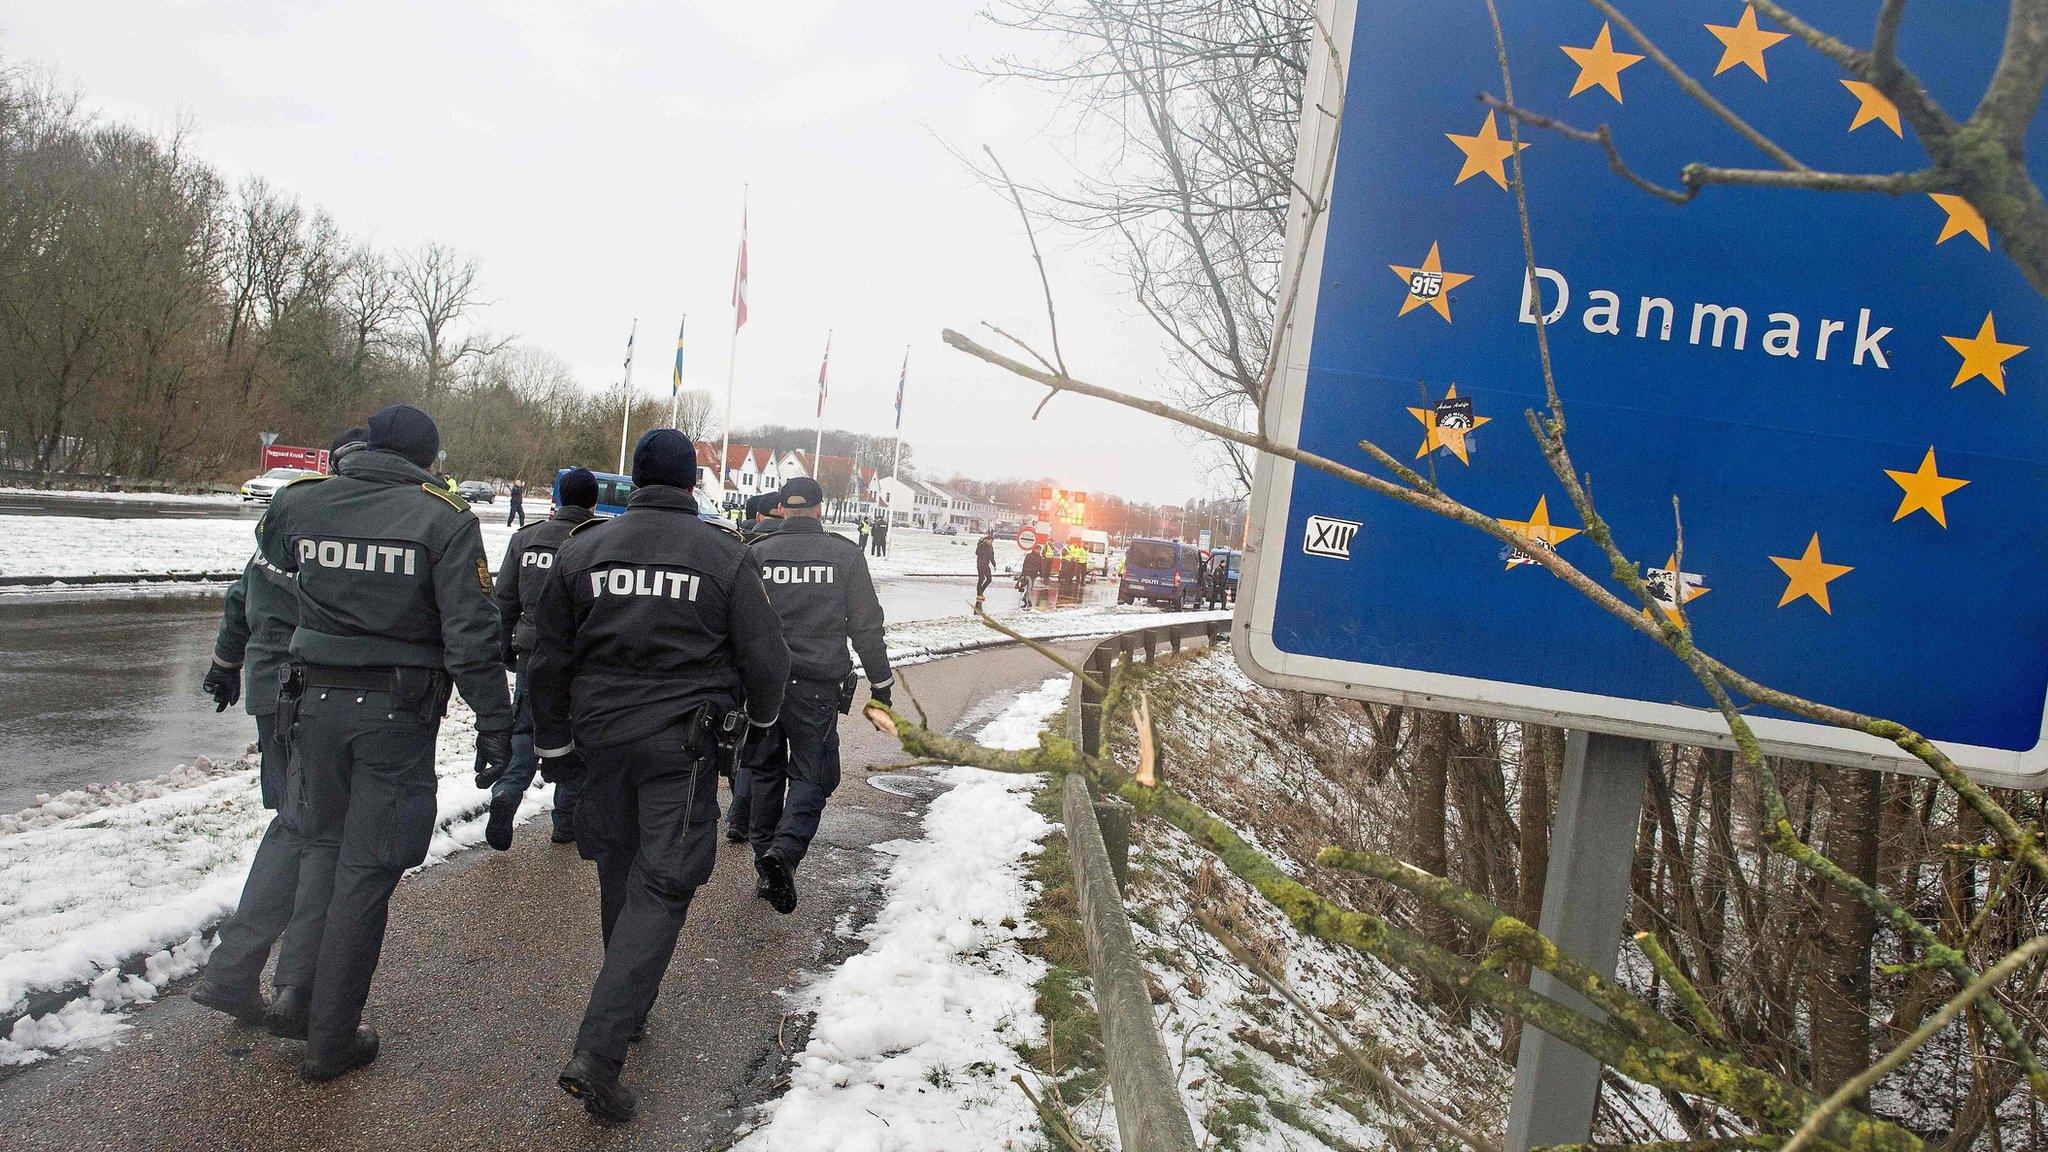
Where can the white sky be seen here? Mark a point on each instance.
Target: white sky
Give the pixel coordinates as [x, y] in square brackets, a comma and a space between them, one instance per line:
[593, 156]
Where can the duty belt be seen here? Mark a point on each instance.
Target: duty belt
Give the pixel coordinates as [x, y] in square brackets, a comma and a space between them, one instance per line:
[374, 679]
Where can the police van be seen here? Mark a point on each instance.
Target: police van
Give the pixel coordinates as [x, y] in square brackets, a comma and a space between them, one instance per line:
[1164, 572]
[612, 490]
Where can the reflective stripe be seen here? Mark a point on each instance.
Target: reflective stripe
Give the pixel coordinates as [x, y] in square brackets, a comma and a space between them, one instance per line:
[551, 753]
[872, 684]
[768, 723]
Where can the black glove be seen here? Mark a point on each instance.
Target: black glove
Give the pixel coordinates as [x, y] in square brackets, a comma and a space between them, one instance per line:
[556, 769]
[879, 694]
[493, 753]
[222, 683]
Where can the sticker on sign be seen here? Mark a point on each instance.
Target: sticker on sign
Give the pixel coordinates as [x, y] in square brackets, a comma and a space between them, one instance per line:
[1841, 392]
[1324, 536]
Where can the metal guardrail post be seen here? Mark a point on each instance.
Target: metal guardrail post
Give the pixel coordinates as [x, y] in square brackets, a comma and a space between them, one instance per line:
[1150, 1116]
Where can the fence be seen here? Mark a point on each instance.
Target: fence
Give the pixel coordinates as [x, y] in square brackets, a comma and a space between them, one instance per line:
[1150, 1116]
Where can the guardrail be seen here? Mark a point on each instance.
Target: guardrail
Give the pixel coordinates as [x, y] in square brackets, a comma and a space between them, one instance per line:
[1150, 1115]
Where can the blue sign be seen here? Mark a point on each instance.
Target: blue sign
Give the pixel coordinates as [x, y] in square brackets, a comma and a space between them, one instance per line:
[1844, 391]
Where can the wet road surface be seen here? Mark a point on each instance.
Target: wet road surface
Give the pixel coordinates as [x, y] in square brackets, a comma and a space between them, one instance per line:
[107, 691]
[140, 507]
[486, 966]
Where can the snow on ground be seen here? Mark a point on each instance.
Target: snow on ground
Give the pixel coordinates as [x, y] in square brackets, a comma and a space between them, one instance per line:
[225, 499]
[94, 884]
[91, 546]
[914, 550]
[922, 640]
[916, 1037]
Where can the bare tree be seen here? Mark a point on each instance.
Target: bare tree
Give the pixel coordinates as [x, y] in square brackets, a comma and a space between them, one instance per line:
[437, 288]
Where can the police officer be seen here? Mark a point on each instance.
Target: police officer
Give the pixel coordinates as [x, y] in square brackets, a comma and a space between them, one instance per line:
[761, 515]
[394, 602]
[253, 645]
[651, 632]
[520, 580]
[819, 584]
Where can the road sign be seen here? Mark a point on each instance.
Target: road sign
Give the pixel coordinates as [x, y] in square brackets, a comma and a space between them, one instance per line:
[1843, 391]
[1027, 540]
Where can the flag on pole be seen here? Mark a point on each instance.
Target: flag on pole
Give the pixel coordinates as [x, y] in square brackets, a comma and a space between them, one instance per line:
[675, 381]
[900, 379]
[739, 279]
[822, 366]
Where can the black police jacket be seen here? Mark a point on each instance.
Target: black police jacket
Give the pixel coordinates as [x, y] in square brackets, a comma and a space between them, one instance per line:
[256, 632]
[524, 573]
[391, 572]
[644, 617]
[821, 589]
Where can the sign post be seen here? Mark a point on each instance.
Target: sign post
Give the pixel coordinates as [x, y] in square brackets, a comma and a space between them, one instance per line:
[1839, 392]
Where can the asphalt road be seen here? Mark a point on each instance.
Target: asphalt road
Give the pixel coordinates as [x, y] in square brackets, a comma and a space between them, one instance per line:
[97, 691]
[486, 966]
[101, 508]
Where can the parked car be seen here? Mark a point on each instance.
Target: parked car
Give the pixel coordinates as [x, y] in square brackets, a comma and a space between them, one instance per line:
[476, 492]
[260, 489]
[948, 530]
[1164, 572]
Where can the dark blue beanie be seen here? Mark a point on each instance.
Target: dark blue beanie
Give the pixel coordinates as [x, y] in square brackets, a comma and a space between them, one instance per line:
[356, 435]
[665, 456]
[407, 431]
[576, 489]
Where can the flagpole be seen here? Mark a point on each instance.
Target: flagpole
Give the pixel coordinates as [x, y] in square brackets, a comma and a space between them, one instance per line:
[732, 358]
[818, 440]
[626, 417]
[896, 462]
[675, 388]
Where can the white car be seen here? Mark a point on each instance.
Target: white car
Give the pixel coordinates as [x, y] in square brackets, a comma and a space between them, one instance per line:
[263, 487]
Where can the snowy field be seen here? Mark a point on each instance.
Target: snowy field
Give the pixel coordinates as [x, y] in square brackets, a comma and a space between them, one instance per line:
[92, 546]
[916, 1037]
[224, 499]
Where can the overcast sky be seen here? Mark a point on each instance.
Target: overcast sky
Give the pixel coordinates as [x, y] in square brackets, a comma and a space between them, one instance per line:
[593, 156]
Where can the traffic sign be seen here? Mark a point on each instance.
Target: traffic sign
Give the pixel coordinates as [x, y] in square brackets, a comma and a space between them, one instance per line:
[1027, 540]
[1843, 391]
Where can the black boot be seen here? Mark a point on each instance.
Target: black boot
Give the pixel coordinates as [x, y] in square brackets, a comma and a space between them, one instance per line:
[245, 1006]
[594, 1080]
[288, 1012]
[776, 884]
[358, 1052]
[498, 829]
[734, 834]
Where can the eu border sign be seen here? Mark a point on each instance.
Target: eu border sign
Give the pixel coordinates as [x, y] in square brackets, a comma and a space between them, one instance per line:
[1844, 391]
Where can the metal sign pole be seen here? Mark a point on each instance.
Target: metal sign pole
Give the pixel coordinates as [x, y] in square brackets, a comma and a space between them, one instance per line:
[1585, 897]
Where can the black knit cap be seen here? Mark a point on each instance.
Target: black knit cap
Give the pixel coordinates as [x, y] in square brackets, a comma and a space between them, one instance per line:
[355, 435]
[576, 489]
[665, 456]
[407, 431]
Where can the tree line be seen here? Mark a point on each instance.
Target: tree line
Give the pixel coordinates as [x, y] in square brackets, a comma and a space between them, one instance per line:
[156, 318]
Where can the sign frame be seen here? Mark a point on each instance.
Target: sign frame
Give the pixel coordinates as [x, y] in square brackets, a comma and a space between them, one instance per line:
[1268, 549]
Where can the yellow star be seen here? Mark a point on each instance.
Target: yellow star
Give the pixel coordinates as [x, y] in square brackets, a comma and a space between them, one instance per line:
[1437, 435]
[1874, 105]
[1539, 528]
[1429, 284]
[1809, 576]
[1485, 152]
[1924, 490]
[1963, 219]
[1601, 65]
[1687, 583]
[1983, 355]
[1744, 43]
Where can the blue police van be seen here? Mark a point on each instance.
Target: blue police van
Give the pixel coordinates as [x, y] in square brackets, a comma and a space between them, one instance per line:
[1165, 572]
[612, 490]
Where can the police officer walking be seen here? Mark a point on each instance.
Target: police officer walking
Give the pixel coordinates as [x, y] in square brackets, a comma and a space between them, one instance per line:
[819, 584]
[394, 601]
[651, 633]
[254, 645]
[520, 579]
[984, 567]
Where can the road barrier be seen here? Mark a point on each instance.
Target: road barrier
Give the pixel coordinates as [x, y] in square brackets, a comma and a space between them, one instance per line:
[1150, 1115]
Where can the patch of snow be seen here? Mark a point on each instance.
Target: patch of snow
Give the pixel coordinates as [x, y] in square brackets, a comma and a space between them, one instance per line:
[916, 1037]
[148, 546]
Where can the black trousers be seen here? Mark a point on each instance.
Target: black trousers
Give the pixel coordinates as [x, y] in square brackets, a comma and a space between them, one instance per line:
[363, 786]
[266, 913]
[795, 770]
[981, 582]
[648, 816]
